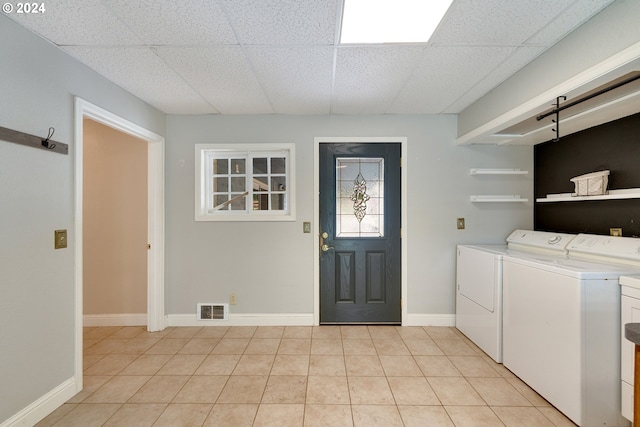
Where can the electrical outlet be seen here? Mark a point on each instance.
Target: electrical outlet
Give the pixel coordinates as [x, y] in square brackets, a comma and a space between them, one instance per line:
[232, 299]
[460, 223]
[616, 232]
[306, 227]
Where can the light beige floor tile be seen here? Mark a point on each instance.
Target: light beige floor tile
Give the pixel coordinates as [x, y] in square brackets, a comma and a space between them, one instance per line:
[285, 389]
[328, 415]
[241, 332]
[521, 417]
[412, 391]
[473, 366]
[88, 415]
[358, 347]
[473, 416]
[359, 332]
[328, 390]
[323, 365]
[290, 364]
[88, 343]
[136, 346]
[89, 385]
[527, 392]
[136, 415]
[129, 332]
[441, 332]
[199, 346]
[99, 333]
[326, 332]
[168, 346]
[326, 346]
[218, 364]
[423, 347]
[184, 332]
[384, 332]
[201, 389]
[156, 335]
[556, 417]
[437, 366]
[455, 391]
[499, 367]
[212, 332]
[303, 332]
[269, 332]
[400, 366]
[111, 364]
[118, 389]
[364, 366]
[106, 346]
[56, 415]
[294, 346]
[423, 416]
[455, 347]
[390, 347]
[263, 346]
[183, 415]
[278, 415]
[370, 391]
[376, 416]
[182, 364]
[231, 414]
[498, 392]
[146, 364]
[159, 389]
[412, 332]
[243, 389]
[254, 364]
[231, 346]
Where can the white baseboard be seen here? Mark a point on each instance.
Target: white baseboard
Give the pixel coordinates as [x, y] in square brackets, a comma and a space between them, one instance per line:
[431, 320]
[42, 407]
[244, 319]
[124, 319]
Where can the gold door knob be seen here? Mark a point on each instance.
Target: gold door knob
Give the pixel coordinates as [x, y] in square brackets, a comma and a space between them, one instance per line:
[326, 247]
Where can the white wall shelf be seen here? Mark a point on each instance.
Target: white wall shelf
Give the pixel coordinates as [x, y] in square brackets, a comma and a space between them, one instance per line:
[497, 172]
[499, 198]
[628, 193]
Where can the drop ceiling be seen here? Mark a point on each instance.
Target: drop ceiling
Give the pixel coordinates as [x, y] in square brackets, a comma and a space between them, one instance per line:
[284, 56]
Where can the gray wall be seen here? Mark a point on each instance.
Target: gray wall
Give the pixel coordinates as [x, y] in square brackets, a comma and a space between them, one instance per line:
[269, 266]
[37, 91]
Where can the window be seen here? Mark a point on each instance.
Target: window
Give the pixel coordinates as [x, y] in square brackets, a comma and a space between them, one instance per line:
[244, 182]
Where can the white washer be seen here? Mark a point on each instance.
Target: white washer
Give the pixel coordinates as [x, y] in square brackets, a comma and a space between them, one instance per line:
[479, 283]
[562, 326]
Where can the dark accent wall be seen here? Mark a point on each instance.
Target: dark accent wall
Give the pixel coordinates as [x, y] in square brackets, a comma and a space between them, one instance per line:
[614, 146]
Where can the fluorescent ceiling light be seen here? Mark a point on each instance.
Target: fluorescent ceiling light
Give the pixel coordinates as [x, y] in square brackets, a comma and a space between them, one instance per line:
[391, 21]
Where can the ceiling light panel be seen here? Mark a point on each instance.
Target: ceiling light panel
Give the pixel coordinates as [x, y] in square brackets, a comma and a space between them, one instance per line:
[391, 21]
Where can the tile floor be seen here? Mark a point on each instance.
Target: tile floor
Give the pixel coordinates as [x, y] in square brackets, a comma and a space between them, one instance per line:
[296, 376]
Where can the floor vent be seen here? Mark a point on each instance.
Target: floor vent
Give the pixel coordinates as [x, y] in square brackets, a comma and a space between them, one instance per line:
[208, 311]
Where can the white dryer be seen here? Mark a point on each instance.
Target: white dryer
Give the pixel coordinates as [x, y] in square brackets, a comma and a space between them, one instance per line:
[479, 283]
[562, 326]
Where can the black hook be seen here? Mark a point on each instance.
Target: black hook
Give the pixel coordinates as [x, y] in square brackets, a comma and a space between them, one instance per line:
[45, 142]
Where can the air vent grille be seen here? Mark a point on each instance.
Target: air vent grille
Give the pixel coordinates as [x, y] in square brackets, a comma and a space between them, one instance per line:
[209, 311]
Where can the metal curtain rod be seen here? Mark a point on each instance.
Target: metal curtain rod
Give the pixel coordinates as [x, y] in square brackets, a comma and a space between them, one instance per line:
[588, 97]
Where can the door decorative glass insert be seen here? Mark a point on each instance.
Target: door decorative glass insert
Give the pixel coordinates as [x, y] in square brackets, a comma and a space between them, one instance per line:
[359, 197]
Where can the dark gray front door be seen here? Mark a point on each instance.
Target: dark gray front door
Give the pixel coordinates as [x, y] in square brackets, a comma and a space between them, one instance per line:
[360, 219]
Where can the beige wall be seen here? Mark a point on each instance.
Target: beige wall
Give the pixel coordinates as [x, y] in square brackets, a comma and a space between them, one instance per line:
[115, 221]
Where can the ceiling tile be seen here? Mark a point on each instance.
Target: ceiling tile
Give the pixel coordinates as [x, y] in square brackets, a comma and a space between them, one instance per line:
[445, 74]
[283, 22]
[66, 22]
[169, 22]
[296, 79]
[496, 22]
[368, 78]
[222, 75]
[141, 72]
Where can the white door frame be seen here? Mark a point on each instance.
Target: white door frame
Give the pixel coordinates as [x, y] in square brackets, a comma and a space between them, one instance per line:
[155, 209]
[316, 208]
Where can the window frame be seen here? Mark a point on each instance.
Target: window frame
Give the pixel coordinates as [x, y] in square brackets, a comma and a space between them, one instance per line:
[203, 194]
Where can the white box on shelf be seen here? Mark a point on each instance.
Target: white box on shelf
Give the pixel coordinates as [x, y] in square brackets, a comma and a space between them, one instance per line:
[591, 184]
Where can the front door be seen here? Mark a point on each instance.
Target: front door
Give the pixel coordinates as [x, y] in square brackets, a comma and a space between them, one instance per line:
[360, 256]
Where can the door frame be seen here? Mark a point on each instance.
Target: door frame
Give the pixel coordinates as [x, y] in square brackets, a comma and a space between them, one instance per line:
[316, 209]
[155, 220]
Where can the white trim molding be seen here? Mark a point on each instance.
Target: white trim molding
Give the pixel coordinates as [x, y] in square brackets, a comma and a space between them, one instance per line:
[430, 320]
[124, 319]
[244, 319]
[42, 407]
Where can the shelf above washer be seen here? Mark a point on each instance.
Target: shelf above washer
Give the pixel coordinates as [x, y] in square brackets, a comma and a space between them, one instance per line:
[628, 193]
[499, 198]
[497, 172]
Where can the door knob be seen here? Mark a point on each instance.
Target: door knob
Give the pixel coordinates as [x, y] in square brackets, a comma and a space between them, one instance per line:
[326, 247]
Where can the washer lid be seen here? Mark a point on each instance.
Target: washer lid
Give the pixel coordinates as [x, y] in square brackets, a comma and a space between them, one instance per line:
[539, 241]
[606, 248]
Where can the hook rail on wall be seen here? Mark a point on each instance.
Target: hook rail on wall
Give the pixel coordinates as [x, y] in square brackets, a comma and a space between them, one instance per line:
[22, 138]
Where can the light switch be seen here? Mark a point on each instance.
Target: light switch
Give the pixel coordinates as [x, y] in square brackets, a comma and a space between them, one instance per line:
[460, 223]
[306, 227]
[60, 239]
